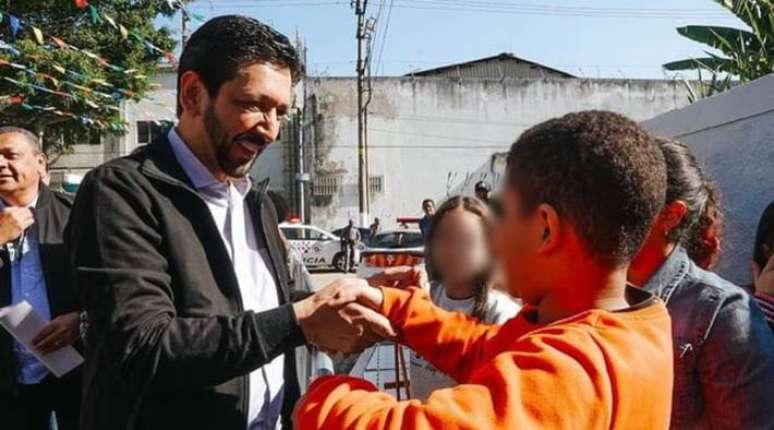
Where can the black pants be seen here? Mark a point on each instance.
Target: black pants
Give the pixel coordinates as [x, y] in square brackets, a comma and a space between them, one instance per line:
[31, 408]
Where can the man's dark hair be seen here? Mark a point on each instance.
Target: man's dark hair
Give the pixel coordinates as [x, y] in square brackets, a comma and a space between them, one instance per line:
[601, 172]
[223, 45]
[426, 201]
[31, 137]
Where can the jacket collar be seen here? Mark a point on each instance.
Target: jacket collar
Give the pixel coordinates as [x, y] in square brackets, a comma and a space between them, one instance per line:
[671, 273]
[160, 163]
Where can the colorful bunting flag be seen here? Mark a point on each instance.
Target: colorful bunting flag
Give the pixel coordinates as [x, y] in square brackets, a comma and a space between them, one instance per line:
[38, 35]
[15, 24]
[110, 21]
[81, 4]
[95, 19]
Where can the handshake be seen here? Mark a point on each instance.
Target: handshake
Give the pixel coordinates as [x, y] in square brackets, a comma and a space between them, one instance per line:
[345, 316]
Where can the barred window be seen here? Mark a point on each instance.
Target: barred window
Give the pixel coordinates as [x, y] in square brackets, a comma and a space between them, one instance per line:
[375, 185]
[327, 185]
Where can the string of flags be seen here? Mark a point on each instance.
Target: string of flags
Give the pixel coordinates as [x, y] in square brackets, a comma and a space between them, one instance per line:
[117, 92]
[84, 119]
[16, 25]
[98, 17]
[69, 84]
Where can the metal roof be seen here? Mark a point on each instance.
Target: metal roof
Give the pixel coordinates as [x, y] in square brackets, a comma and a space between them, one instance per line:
[504, 65]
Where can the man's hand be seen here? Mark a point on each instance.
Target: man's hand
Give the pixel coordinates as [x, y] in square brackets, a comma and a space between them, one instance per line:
[13, 222]
[333, 321]
[401, 277]
[60, 332]
[764, 278]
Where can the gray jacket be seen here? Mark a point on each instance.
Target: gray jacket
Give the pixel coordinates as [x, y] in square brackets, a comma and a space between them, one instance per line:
[724, 351]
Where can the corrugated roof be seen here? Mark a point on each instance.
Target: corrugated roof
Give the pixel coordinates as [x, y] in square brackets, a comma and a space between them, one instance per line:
[504, 65]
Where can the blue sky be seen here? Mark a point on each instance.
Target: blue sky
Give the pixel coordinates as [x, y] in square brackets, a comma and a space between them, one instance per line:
[591, 38]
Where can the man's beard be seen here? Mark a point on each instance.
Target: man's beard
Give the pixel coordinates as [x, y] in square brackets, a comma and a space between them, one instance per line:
[218, 138]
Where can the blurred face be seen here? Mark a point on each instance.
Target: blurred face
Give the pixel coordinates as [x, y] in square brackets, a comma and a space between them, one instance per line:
[20, 163]
[429, 208]
[518, 241]
[245, 116]
[460, 248]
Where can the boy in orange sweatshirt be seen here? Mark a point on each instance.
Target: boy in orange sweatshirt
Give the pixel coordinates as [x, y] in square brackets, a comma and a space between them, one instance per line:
[587, 351]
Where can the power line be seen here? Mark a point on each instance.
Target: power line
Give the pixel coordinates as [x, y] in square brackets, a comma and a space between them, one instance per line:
[385, 30]
[505, 9]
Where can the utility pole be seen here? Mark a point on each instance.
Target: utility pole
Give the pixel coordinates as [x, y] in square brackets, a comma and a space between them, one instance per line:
[302, 177]
[362, 148]
[184, 27]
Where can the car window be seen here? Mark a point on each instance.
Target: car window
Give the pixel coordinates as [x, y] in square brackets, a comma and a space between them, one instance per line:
[312, 234]
[292, 233]
[385, 240]
[412, 240]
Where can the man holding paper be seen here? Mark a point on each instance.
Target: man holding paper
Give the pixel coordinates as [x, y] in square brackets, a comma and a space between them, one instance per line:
[34, 268]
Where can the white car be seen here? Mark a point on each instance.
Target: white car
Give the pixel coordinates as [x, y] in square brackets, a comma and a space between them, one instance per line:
[319, 248]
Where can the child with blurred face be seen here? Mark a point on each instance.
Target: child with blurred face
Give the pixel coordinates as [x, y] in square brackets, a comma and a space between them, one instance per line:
[460, 251]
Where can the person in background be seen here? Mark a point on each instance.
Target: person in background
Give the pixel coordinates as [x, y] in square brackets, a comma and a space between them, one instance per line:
[763, 264]
[351, 237]
[723, 350]
[375, 228]
[587, 351]
[460, 249]
[179, 261]
[483, 191]
[428, 207]
[35, 268]
[705, 238]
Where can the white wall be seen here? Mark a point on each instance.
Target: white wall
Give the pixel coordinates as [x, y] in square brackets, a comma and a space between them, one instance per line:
[732, 135]
[430, 136]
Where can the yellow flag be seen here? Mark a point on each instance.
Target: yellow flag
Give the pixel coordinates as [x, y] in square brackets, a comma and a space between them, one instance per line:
[109, 20]
[59, 69]
[123, 30]
[38, 34]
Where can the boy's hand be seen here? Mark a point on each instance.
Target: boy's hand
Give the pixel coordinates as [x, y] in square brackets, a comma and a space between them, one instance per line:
[401, 277]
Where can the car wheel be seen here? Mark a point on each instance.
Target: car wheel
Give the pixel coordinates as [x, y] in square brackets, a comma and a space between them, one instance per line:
[340, 262]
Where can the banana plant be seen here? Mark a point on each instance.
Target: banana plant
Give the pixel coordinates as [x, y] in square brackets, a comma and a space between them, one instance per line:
[744, 54]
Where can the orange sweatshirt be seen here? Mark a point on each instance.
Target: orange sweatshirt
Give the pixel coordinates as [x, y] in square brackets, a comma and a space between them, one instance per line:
[595, 370]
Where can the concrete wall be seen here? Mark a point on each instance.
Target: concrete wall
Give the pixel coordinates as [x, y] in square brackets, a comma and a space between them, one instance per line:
[732, 135]
[433, 137]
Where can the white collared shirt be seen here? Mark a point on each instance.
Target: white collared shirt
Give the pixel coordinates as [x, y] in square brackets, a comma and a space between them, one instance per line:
[226, 202]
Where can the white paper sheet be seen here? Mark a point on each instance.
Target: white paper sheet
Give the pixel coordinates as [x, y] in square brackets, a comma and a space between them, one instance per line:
[24, 323]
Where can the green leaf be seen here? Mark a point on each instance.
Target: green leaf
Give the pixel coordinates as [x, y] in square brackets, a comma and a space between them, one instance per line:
[706, 63]
[726, 39]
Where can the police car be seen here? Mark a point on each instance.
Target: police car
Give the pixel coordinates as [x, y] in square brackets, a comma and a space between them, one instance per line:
[320, 249]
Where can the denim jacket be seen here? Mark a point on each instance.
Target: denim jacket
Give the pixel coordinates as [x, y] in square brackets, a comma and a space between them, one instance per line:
[723, 349]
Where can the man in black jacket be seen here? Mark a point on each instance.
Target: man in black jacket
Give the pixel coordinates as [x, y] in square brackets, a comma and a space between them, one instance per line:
[183, 274]
[34, 267]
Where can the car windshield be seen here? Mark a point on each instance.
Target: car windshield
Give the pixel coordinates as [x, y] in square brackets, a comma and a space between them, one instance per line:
[412, 240]
[385, 240]
[395, 240]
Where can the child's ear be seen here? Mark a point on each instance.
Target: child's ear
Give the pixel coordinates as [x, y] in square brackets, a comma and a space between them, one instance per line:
[551, 226]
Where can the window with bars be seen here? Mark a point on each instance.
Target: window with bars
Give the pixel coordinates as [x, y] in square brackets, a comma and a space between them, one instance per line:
[375, 185]
[327, 185]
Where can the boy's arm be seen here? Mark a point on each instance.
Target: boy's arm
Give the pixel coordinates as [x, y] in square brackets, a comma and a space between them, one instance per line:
[541, 383]
[453, 342]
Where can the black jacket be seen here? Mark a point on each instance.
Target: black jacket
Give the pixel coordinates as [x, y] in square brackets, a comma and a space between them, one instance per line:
[51, 215]
[169, 345]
